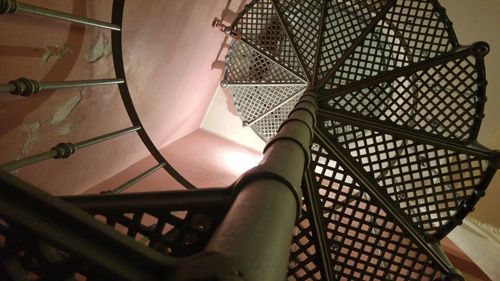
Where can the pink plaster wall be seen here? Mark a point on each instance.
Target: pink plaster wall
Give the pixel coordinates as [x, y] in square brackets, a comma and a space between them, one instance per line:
[169, 47]
[203, 158]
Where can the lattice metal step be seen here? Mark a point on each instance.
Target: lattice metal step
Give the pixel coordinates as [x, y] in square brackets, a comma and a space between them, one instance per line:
[396, 165]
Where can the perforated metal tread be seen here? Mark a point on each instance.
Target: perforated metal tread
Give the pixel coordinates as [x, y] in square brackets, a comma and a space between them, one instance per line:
[271, 97]
[262, 30]
[365, 242]
[302, 19]
[445, 99]
[245, 65]
[429, 183]
[404, 100]
[167, 228]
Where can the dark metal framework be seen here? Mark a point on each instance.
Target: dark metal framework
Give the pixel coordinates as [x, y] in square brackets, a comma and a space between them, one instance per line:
[371, 110]
[27, 87]
[395, 161]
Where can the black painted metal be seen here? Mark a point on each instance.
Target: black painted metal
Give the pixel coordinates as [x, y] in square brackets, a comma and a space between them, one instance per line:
[403, 132]
[366, 241]
[154, 201]
[384, 184]
[459, 74]
[175, 223]
[137, 178]
[30, 218]
[317, 59]
[267, 36]
[27, 87]
[116, 41]
[65, 150]
[365, 180]
[290, 38]
[452, 176]
[401, 102]
[13, 6]
[380, 15]
[48, 239]
[260, 221]
[314, 213]
[456, 53]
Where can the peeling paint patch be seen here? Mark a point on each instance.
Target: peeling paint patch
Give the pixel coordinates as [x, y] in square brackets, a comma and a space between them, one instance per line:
[101, 48]
[65, 110]
[55, 52]
[31, 131]
[64, 129]
[31, 137]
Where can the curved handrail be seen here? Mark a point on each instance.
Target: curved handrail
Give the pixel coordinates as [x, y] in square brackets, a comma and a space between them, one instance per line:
[27, 87]
[116, 43]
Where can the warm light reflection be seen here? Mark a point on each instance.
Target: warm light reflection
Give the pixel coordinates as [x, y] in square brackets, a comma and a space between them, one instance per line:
[239, 162]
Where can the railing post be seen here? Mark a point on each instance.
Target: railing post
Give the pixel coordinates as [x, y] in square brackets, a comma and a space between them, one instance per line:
[253, 241]
[12, 6]
[138, 178]
[65, 150]
[26, 87]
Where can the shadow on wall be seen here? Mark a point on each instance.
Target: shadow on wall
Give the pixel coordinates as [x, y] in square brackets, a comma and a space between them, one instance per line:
[15, 109]
[227, 16]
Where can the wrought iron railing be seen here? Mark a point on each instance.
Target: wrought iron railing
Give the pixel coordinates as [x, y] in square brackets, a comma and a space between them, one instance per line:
[26, 87]
[395, 160]
[147, 236]
[371, 110]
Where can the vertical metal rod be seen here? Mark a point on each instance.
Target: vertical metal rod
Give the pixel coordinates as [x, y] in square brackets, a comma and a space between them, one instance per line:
[30, 9]
[7, 88]
[92, 141]
[27, 87]
[64, 150]
[138, 178]
[116, 42]
[29, 160]
[80, 83]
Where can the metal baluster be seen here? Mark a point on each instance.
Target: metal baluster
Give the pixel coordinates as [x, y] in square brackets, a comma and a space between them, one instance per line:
[137, 179]
[27, 87]
[12, 6]
[64, 150]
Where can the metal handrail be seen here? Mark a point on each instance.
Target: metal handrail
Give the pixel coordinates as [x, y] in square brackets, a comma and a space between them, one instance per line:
[27, 87]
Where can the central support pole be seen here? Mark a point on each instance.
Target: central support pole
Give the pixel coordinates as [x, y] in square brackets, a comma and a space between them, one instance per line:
[253, 241]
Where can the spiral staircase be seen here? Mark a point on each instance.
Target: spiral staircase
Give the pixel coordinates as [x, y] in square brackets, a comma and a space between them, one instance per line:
[371, 110]
[395, 159]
